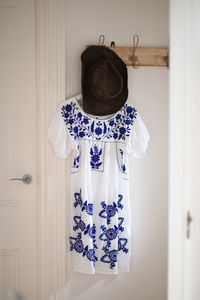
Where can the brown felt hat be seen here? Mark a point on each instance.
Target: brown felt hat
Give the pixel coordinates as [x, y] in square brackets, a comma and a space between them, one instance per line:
[104, 81]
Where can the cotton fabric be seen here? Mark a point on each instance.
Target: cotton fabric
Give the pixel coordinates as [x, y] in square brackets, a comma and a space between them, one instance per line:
[100, 214]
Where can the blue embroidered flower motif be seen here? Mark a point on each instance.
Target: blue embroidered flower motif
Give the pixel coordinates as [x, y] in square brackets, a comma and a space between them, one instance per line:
[98, 130]
[121, 161]
[128, 122]
[76, 161]
[120, 221]
[85, 120]
[115, 136]
[118, 116]
[121, 244]
[88, 207]
[81, 134]
[71, 121]
[110, 257]
[129, 109]
[90, 253]
[91, 230]
[78, 244]
[112, 122]
[108, 234]
[66, 114]
[79, 223]
[110, 210]
[68, 107]
[76, 129]
[82, 126]
[120, 197]
[79, 115]
[95, 155]
[78, 199]
[113, 255]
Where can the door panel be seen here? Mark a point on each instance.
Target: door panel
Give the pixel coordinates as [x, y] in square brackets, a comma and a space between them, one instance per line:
[18, 148]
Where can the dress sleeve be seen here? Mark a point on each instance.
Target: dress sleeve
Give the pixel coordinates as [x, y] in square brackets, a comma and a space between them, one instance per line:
[58, 135]
[138, 142]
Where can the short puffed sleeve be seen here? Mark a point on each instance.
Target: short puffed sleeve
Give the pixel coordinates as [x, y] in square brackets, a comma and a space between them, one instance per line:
[58, 135]
[139, 139]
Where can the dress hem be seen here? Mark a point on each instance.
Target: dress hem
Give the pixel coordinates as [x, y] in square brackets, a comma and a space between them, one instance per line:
[101, 272]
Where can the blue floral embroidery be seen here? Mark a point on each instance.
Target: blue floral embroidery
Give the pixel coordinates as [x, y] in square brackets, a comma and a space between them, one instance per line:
[95, 155]
[76, 244]
[81, 126]
[122, 164]
[108, 234]
[121, 244]
[120, 221]
[88, 207]
[91, 230]
[79, 223]
[112, 233]
[80, 226]
[76, 161]
[78, 199]
[90, 253]
[110, 210]
[120, 197]
[110, 257]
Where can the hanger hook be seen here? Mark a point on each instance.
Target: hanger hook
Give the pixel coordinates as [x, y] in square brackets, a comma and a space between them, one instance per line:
[135, 60]
[101, 40]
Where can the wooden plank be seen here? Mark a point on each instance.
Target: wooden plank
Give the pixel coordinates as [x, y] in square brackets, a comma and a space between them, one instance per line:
[147, 56]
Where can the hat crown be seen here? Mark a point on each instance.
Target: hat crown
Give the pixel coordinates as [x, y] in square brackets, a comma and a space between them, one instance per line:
[104, 80]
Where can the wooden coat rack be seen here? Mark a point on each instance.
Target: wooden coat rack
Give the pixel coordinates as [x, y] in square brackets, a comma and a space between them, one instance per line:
[140, 56]
[146, 56]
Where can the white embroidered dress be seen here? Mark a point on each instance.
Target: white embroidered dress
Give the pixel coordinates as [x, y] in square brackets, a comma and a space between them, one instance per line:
[100, 213]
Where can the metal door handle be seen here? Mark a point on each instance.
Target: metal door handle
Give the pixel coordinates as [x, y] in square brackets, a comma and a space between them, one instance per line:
[189, 220]
[27, 179]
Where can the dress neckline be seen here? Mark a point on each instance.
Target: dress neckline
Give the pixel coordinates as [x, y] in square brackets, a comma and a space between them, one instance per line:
[96, 118]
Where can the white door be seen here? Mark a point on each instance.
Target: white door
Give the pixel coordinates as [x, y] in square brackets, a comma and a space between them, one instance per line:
[184, 192]
[17, 149]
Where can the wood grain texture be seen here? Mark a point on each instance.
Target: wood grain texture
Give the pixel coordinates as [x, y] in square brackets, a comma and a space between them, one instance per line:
[146, 56]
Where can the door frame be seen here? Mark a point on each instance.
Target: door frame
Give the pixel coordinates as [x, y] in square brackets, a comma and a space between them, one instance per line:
[51, 202]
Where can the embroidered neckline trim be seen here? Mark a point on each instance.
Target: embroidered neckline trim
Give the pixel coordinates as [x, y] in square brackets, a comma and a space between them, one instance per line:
[81, 126]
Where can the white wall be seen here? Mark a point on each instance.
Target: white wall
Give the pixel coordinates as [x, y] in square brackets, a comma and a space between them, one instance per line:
[148, 88]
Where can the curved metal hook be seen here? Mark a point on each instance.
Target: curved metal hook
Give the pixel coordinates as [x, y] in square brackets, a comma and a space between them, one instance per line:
[135, 60]
[101, 40]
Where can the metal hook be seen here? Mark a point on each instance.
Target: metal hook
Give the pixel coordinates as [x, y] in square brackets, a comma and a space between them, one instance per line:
[134, 58]
[101, 40]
